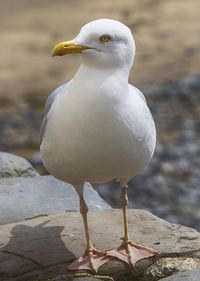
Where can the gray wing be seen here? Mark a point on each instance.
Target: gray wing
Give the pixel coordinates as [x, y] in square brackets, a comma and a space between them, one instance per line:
[48, 104]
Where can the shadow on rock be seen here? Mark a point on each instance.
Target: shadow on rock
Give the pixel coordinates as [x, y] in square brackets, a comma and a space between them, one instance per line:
[34, 251]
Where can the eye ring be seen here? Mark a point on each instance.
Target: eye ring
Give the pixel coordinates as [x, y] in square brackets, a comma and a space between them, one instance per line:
[105, 38]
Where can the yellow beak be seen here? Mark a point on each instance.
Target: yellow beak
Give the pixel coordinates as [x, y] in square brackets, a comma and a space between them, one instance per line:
[68, 47]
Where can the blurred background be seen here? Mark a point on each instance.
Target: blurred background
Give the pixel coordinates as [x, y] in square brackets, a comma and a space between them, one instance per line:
[166, 69]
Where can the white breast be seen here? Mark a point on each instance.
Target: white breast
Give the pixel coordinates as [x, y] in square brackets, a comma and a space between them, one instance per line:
[97, 138]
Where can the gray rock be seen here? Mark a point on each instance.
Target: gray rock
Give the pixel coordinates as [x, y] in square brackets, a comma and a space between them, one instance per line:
[193, 275]
[15, 166]
[22, 198]
[42, 248]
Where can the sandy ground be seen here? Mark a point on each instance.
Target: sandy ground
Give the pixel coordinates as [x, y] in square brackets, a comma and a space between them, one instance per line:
[166, 34]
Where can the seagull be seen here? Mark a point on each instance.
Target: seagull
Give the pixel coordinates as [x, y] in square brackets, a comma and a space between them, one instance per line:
[97, 128]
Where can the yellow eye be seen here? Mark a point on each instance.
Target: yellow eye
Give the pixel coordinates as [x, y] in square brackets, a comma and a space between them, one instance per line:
[105, 38]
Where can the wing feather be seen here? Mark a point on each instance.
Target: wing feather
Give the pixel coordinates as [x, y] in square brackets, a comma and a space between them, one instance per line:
[48, 104]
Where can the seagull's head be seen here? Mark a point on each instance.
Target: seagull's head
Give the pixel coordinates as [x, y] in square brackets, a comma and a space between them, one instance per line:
[102, 43]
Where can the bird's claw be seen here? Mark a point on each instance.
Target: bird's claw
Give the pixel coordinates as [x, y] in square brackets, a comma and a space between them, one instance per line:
[91, 260]
[131, 253]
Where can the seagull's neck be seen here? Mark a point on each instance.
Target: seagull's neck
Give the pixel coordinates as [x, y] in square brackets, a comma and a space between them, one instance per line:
[101, 75]
[110, 83]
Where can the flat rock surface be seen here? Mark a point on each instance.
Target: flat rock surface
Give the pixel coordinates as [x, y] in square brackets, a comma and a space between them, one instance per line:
[22, 198]
[41, 248]
[15, 166]
[193, 275]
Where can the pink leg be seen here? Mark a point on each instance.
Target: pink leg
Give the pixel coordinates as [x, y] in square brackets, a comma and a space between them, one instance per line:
[89, 247]
[126, 238]
[128, 251]
[92, 259]
[124, 201]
